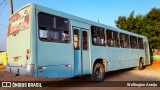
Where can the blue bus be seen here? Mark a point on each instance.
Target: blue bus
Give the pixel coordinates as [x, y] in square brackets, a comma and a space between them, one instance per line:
[44, 42]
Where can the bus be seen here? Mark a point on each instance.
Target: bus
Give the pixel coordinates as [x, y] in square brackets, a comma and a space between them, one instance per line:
[44, 42]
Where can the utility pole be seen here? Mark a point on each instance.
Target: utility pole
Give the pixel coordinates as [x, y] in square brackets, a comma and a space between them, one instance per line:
[11, 7]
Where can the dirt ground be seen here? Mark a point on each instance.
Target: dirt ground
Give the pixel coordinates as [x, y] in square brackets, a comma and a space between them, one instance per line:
[150, 73]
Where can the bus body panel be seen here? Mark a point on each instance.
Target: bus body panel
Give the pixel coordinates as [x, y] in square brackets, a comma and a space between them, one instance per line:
[19, 46]
[100, 52]
[135, 57]
[22, 40]
[18, 41]
[56, 71]
[50, 55]
[118, 57]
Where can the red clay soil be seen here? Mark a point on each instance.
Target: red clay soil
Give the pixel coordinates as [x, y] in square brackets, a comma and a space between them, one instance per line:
[155, 65]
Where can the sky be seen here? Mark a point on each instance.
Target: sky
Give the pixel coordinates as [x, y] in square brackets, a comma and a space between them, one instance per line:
[106, 11]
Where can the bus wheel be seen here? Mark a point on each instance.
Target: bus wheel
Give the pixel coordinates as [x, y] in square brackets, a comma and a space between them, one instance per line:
[98, 73]
[141, 65]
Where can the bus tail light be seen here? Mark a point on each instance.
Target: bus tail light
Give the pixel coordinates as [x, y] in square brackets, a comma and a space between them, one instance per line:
[27, 54]
[27, 57]
[27, 51]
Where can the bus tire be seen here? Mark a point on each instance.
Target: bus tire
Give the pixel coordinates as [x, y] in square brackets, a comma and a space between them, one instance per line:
[98, 73]
[141, 65]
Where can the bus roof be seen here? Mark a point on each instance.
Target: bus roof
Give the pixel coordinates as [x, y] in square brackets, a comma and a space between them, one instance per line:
[76, 18]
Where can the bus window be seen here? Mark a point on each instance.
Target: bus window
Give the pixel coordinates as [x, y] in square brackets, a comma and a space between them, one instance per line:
[76, 39]
[61, 23]
[116, 39]
[85, 40]
[53, 28]
[43, 33]
[124, 40]
[112, 38]
[133, 41]
[98, 37]
[109, 37]
[140, 43]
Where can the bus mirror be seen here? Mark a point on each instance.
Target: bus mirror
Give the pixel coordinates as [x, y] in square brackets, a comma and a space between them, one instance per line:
[43, 34]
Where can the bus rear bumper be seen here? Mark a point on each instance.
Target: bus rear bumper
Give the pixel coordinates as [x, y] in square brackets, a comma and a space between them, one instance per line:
[55, 71]
[29, 70]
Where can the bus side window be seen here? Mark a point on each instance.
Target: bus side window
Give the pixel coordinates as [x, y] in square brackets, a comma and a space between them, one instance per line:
[115, 39]
[65, 36]
[140, 43]
[134, 43]
[43, 33]
[102, 37]
[112, 38]
[109, 38]
[124, 40]
[53, 28]
[98, 36]
[76, 39]
[54, 35]
[85, 40]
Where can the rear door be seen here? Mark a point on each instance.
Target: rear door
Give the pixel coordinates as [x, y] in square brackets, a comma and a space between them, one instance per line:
[77, 51]
[85, 52]
[81, 51]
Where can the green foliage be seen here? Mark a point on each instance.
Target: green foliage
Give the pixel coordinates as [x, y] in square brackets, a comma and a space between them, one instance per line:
[147, 25]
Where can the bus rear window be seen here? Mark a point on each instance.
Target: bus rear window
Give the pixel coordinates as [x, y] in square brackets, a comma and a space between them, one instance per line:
[53, 28]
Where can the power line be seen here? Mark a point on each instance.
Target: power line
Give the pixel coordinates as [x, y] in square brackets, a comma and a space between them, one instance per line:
[2, 2]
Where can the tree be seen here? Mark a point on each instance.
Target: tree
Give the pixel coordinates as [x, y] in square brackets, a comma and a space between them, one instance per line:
[147, 25]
